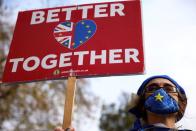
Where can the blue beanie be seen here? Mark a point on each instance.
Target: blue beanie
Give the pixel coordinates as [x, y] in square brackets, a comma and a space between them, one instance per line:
[142, 87]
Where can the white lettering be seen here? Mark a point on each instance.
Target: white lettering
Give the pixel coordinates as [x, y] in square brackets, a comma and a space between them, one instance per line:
[53, 63]
[100, 10]
[117, 8]
[15, 63]
[85, 10]
[26, 63]
[65, 59]
[95, 57]
[81, 56]
[64, 14]
[53, 15]
[37, 17]
[131, 54]
[68, 12]
[113, 55]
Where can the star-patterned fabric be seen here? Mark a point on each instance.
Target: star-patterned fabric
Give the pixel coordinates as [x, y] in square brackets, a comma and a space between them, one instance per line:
[159, 97]
[161, 103]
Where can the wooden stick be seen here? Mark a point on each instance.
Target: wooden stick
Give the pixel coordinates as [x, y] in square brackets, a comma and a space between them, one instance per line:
[69, 102]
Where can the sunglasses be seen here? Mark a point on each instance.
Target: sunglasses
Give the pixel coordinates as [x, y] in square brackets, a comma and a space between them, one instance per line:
[168, 88]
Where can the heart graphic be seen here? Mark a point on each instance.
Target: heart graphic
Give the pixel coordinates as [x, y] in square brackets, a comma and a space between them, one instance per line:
[72, 35]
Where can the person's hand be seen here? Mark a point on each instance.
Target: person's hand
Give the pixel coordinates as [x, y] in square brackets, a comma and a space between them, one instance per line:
[61, 129]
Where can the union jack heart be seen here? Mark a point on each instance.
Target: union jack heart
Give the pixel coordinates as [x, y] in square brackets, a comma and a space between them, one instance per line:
[72, 35]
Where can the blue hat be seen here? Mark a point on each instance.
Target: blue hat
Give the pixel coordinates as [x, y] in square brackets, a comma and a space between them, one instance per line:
[142, 87]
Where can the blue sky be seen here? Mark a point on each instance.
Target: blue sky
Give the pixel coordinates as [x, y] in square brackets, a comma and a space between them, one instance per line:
[169, 28]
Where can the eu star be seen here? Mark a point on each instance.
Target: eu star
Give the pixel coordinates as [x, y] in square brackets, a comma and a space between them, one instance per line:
[89, 31]
[159, 97]
[87, 26]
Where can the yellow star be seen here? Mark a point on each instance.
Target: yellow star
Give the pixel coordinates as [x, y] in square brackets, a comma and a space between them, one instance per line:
[82, 22]
[86, 37]
[81, 41]
[89, 31]
[87, 26]
[159, 97]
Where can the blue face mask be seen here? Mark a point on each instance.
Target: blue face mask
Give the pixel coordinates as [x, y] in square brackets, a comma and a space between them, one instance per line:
[161, 103]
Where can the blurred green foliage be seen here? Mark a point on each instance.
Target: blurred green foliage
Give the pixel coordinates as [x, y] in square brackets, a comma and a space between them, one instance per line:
[116, 117]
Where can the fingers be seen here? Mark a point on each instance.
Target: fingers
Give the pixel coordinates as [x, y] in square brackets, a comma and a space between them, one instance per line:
[58, 129]
[70, 129]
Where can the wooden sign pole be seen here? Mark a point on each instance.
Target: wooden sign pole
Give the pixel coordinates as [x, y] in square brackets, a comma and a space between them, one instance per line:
[69, 102]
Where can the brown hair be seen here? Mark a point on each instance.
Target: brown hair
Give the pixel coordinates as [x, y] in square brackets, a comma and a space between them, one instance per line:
[182, 102]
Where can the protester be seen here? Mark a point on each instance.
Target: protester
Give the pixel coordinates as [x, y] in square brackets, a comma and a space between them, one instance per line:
[160, 103]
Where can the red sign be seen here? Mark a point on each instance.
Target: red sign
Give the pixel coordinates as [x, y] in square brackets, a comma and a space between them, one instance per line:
[87, 40]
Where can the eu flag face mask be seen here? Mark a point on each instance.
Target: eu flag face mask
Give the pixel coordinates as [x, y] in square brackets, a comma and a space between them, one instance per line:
[161, 103]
